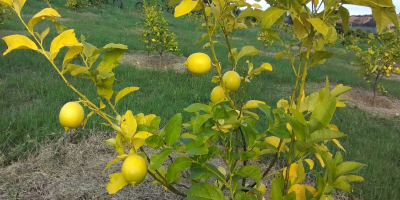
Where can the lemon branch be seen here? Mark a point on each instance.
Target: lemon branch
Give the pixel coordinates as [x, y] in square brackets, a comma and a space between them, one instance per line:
[43, 52]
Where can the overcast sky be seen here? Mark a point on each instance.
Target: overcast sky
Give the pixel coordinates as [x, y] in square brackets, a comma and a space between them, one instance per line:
[354, 10]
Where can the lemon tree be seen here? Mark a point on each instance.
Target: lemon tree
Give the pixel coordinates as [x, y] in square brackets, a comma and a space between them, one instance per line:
[228, 128]
[71, 115]
[378, 61]
[198, 63]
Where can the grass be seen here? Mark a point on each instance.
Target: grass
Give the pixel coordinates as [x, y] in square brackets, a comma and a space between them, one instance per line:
[31, 93]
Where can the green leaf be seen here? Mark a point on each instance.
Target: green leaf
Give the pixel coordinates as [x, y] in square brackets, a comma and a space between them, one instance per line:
[280, 55]
[340, 89]
[205, 171]
[244, 196]
[115, 160]
[250, 171]
[193, 149]
[18, 42]
[324, 111]
[249, 12]
[345, 15]
[157, 159]
[281, 132]
[246, 155]
[110, 60]
[124, 92]
[196, 107]
[319, 56]
[319, 25]
[330, 166]
[79, 70]
[276, 189]
[267, 111]
[338, 158]
[350, 178]
[300, 130]
[320, 183]
[177, 167]
[324, 134]
[341, 185]
[249, 132]
[270, 16]
[382, 17]
[173, 129]
[349, 167]
[154, 141]
[104, 87]
[247, 51]
[199, 121]
[204, 191]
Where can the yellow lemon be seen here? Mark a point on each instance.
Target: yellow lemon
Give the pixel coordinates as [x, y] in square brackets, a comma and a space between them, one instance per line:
[134, 169]
[71, 115]
[217, 94]
[198, 63]
[231, 80]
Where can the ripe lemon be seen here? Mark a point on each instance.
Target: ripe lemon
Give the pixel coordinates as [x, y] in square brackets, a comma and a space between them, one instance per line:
[231, 80]
[217, 94]
[134, 169]
[198, 63]
[71, 115]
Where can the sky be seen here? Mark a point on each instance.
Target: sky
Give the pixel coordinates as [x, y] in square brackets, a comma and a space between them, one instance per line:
[354, 10]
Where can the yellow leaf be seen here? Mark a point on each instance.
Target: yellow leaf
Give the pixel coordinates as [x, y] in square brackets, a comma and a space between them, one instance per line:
[256, 5]
[123, 93]
[338, 144]
[139, 139]
[320, 160]
[128, 125]
[47, 13]
[185, 7]
[310, 163]
[18, 42]
[139, 117]
[18, 4]
[292, 171]
[252, 104]
[254, 115]
[222, 170]
[115, 160]
[102, 105]
[66, 38]
[282, 103]
[333, 127]
[208, 11]
[7, 3]
[116, 183]
[340, 104]
[71, 54]
[147, 119]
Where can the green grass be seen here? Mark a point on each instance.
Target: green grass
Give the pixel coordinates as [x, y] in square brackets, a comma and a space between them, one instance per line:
[31, 92]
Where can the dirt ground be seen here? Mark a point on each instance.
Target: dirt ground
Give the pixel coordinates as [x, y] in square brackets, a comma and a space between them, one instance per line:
[71, 169]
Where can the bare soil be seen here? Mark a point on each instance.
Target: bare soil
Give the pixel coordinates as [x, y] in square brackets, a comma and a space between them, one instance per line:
[142, 59]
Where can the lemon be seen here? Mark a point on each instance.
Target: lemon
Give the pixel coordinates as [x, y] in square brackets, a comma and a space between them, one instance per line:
[217, 94]
[198, 63]
[134, 169]
[231, 80]
[71, 115]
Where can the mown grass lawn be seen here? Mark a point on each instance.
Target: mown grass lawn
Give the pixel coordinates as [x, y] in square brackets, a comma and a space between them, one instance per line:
[31, 93]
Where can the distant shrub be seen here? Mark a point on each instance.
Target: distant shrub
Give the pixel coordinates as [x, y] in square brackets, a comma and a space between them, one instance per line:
[76, 4]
